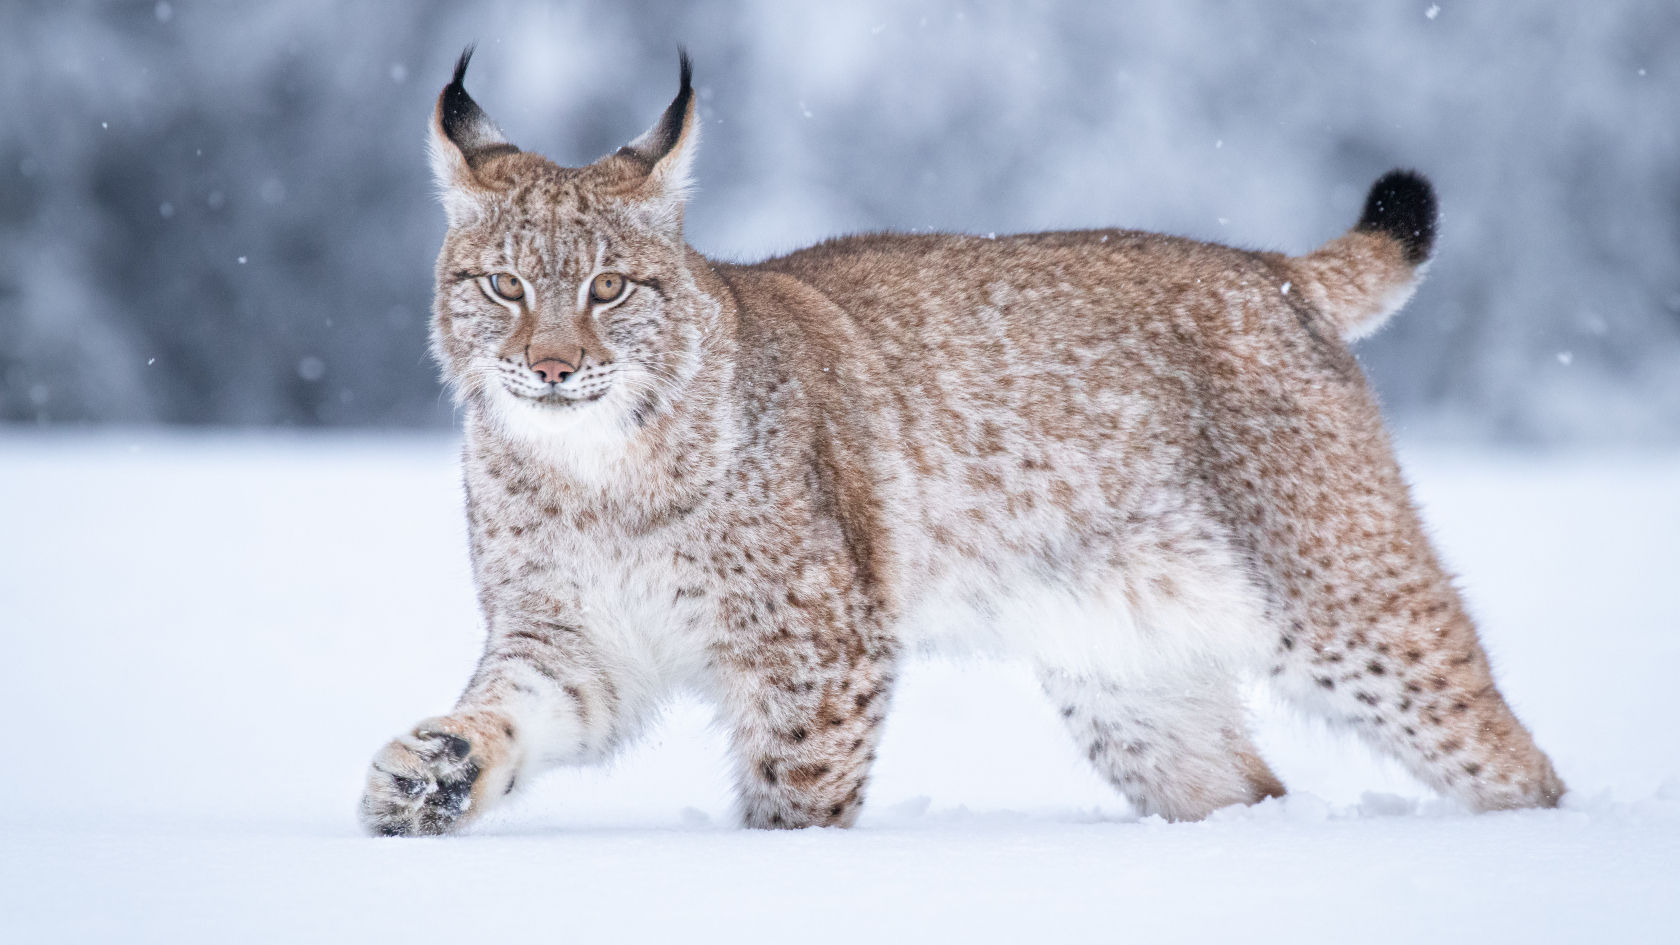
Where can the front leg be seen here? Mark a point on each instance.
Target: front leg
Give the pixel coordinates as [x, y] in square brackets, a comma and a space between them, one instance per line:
[806, 700]
[543, 695]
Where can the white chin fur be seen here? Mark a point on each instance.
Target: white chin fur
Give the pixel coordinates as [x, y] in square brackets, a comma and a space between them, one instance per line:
[587, 440]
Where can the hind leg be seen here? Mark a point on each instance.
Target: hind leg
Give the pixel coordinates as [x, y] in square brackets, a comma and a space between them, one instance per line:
[1416, 685]
[1372, 635]
[1179, 748]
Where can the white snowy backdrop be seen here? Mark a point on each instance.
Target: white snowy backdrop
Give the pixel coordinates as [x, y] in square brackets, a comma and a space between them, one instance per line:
[215, 220]
[149, 147]
[206, 639]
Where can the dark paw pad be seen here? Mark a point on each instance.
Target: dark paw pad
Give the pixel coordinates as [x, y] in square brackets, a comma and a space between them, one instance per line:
[420, 785]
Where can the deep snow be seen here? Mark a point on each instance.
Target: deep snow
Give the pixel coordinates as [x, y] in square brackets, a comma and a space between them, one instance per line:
[206, 637]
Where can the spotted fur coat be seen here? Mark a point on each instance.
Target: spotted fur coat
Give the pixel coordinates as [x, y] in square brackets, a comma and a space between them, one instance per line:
[1148, 465]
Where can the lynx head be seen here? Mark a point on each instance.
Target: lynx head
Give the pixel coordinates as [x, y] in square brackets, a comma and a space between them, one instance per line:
[564, 304]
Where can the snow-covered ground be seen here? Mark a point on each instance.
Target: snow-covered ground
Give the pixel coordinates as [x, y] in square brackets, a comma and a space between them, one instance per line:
[205, 637]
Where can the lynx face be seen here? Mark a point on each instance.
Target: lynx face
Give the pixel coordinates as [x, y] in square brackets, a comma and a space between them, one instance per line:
[564, 305]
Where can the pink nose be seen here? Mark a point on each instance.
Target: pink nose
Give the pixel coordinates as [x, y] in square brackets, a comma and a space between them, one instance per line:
[553, 370]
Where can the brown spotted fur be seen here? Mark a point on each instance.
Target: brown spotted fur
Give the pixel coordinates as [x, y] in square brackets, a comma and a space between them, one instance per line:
[1149, 465]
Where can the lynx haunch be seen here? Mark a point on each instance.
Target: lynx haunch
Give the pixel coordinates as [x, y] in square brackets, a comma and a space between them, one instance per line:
[1149, 466]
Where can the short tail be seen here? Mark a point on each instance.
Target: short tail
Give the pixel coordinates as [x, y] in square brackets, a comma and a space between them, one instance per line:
[1361, 278]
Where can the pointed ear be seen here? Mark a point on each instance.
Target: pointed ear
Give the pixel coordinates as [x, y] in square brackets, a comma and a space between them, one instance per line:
[463, 138]
[667, 150]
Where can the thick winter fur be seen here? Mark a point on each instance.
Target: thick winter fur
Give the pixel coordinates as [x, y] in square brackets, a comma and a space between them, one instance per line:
[1146, 464]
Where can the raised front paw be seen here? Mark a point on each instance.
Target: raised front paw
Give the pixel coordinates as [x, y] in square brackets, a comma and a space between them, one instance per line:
[420, 784]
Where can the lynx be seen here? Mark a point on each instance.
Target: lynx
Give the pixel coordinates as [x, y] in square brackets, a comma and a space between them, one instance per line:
[1148, 465]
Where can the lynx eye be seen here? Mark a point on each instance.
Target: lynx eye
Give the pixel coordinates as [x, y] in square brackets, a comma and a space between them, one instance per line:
[507, 286]
[607, 287]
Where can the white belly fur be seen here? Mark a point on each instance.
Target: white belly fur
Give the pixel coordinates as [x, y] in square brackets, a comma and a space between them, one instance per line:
[1128, 631]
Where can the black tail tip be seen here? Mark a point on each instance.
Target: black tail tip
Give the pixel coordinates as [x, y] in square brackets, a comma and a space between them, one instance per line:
[1401, 206]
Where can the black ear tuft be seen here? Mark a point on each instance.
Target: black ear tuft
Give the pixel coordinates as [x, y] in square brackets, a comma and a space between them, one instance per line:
[461, 67]
[1401, 206]
[464, 122]
[662, 137]
[460, 112]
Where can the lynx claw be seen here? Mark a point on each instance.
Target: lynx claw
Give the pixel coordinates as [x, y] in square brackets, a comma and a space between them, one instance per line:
[419, 785]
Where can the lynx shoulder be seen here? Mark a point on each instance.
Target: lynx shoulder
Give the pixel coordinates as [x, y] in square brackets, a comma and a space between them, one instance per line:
[1146, 465]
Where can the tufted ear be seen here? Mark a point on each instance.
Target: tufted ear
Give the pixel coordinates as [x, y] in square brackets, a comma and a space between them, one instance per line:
[666, 152]
[463, 138]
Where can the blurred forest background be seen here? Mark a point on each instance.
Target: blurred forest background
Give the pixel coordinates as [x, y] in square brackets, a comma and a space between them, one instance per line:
[217, 213]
